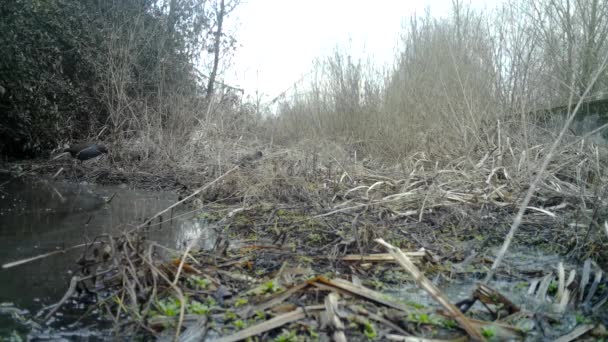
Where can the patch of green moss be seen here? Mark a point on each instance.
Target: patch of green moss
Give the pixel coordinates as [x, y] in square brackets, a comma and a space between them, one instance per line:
[242, 219]
[581, 319]
[397, 276]
[210, 216]
[313, 333]
[315, 238]
[302, 259]
[376, 284]
[522, 285]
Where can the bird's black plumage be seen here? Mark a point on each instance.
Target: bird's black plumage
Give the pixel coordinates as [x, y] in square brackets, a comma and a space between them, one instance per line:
[86, 151]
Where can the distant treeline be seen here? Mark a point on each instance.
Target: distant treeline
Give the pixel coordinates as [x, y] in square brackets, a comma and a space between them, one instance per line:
[459, 78]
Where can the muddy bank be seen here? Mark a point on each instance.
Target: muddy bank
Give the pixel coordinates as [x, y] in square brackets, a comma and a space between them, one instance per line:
[98, 172]
[133, 174]
[435, 209]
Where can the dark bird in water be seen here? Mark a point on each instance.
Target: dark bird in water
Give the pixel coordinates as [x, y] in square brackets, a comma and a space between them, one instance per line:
[86, 151]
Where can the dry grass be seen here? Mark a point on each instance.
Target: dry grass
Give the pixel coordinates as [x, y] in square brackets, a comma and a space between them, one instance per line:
[434, 153]
[452, 125]
[449, 126]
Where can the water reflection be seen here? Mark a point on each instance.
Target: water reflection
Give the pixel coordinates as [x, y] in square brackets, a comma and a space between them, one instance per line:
[39, 217]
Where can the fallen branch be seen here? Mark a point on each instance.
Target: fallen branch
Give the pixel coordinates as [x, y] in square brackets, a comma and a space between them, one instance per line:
[270, 324]
[42, 256]
[429, 287]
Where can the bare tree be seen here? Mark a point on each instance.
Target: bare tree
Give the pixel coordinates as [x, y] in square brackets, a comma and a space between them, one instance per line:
[216, 49]
[222, 43]
[572, 34]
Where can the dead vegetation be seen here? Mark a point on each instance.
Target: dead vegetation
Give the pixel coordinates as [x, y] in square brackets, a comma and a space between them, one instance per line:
[296, 255]
[265, 286]
[436, 156]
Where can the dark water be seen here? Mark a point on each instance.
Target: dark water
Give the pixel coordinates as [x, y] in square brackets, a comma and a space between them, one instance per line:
[38, 217]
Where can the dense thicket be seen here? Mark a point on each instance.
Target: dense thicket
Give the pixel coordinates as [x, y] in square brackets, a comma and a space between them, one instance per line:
[77, 68]
[458, 79]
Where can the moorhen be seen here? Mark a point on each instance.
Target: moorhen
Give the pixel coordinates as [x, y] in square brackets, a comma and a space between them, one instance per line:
[86, 151]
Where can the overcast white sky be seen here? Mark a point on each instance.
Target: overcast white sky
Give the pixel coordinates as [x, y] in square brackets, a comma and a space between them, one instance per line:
[279, 39]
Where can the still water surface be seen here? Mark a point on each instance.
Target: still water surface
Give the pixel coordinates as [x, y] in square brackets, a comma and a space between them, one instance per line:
[38, 217]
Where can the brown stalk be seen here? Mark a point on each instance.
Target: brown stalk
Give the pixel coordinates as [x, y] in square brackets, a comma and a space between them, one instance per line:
[429, 287]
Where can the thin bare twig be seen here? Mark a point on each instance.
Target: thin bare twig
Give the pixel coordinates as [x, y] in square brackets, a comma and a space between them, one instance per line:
[196, 192]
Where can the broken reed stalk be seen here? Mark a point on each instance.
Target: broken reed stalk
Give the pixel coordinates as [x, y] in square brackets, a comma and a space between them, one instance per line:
[196, 192]
[71, 290]
[42, 256]
[176, 288]
[539, 175]
[182, 310]
[429, 287]
[382, 201]
[331, 308]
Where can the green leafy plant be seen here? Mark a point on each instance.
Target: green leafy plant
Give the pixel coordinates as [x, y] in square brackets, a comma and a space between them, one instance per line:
[521, 285]
[552, 288]
[488, 332]
[260, 315]
[239, 324]
[313, 334]
[230, 316]
[198, 282]
[415, 305]
[240, 302]
[287, 336]
[581, 319]
[449, 323]
[422, 318]
[168, 307]
[198, 308]
[369, 331]
[270, 287]
[210, 302]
